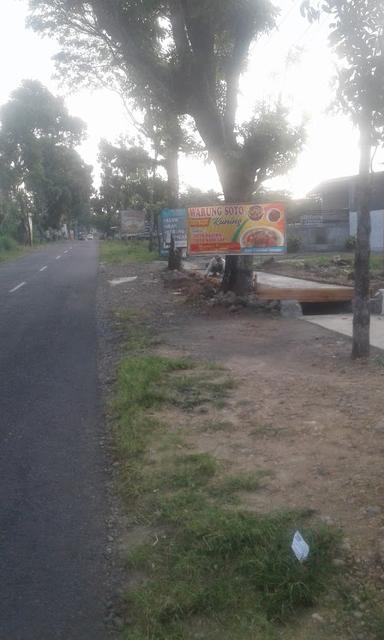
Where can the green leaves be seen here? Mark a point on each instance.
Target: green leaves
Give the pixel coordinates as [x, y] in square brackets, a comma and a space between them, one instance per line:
[38, 164]
[127, 177]
[33, 110]
[357, 37]
[270, 142]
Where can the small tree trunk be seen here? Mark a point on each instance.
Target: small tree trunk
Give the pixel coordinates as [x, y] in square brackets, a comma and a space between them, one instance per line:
[361, 314]
[172, 165]
[173, 183]
[151, 223]
[173, 188]
[174, 257]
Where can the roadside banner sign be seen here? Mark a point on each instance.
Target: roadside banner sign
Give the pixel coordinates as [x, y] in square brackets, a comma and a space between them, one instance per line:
[173, 222]
[237, 229]
[134, 224]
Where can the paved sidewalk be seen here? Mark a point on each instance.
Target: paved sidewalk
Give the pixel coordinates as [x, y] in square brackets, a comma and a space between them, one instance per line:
[343, 324]
[287, 282]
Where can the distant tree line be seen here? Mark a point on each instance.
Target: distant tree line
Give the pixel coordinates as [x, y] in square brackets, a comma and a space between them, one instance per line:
[43, 179]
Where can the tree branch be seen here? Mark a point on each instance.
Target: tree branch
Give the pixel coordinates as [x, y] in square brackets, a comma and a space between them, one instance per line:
[179, 32]
[243, 36]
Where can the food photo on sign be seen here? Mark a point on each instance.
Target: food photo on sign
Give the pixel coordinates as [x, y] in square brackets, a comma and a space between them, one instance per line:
[237, 229]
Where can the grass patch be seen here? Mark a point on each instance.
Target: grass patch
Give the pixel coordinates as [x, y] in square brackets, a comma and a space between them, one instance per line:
[171, 440]
[137, 338]
[139, 379]
[120, 252]
[270, 430]
[10, 249]
[189, 471]
[315, 261]
[379, 361]
[214, 366]
[217, 425]
[219, 565]
[231, 484]
[202, 388]
[376, 622]
[141, 386]
[377, 262]
[216, 571]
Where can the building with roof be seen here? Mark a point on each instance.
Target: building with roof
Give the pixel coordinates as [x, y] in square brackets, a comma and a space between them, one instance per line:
[340, 195]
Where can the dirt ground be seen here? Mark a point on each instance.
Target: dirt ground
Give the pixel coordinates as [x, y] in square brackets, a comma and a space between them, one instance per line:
[300, 410]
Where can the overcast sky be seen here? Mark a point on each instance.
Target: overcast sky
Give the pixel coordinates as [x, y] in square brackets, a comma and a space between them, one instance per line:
[331, 148]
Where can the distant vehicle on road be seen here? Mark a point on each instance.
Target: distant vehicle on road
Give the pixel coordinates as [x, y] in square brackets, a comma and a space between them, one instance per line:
[81, 236]
[90, 236]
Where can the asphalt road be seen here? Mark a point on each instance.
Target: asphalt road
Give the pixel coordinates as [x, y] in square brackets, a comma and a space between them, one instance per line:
[52, 497]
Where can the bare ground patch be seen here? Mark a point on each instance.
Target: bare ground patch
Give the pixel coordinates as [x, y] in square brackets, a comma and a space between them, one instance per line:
[298, 412]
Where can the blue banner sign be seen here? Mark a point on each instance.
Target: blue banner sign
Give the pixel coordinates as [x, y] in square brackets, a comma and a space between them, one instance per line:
[173, 222]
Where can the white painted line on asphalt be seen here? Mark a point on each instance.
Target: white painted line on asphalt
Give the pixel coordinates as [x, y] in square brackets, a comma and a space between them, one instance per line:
[22, 284]
[43, 269]
[66, 251]
[58, 257]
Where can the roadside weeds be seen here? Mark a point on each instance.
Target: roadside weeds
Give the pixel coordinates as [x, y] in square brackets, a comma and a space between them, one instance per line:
[122, 252]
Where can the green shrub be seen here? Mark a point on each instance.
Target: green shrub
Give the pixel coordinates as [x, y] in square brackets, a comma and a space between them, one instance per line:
[7, 243]
[293, 244]
[350, 243]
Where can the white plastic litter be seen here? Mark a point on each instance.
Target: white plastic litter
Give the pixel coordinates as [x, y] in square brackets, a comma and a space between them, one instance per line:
[299, 547]
[117, 281]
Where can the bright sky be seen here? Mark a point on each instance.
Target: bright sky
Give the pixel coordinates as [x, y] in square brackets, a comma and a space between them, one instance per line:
[331, 149]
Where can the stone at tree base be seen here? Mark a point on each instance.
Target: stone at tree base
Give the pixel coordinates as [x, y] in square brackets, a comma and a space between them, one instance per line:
[290, 309]
[229, 298]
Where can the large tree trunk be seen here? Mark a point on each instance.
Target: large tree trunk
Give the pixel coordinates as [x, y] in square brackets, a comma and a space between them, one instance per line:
[361, 315]
[238, 273]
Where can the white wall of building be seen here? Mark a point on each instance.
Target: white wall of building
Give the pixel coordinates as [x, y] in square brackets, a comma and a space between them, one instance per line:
[377, 228]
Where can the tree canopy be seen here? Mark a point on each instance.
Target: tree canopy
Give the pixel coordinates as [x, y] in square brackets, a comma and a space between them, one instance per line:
[128, 178]
[357, 38]
[33, 111]
[189, 56]
[41, 173]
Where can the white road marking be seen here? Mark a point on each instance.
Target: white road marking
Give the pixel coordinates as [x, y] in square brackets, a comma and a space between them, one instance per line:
[66, 251]
[58, 257]
[22, 284]
[43, 268]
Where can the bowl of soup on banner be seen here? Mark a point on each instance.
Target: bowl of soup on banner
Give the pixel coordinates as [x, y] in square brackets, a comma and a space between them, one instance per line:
[237, 229]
